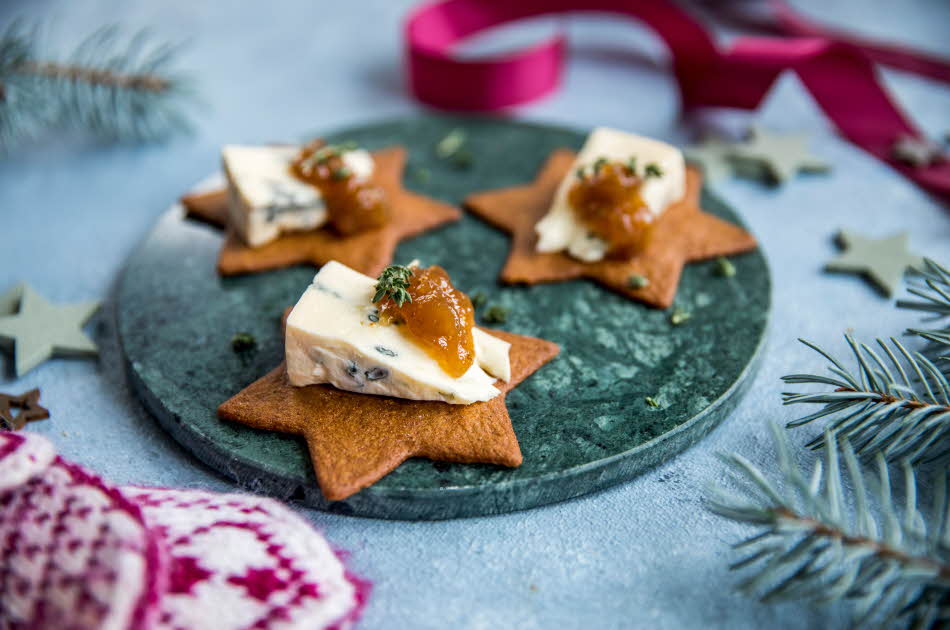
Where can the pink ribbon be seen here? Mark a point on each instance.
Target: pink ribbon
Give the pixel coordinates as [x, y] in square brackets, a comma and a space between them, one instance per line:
[839, 73]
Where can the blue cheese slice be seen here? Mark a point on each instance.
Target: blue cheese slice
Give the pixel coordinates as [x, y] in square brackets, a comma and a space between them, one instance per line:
[265, 199]
[334, 336]
[560, 230]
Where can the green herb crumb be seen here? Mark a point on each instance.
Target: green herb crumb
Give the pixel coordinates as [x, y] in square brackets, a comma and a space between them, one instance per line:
[636, 281]
[453, 141]
[243, 342]
[421, 174]
[478, 299]
[650, 400]
[679, 316]
[725, 268]
[496, 314]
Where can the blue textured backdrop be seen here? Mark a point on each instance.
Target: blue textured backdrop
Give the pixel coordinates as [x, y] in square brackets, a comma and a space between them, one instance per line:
[645, 554]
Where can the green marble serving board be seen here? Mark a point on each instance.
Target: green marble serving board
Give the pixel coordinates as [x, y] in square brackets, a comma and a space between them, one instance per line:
[582, 421]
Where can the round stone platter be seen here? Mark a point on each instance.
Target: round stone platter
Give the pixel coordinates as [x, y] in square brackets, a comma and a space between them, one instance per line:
[582, 421]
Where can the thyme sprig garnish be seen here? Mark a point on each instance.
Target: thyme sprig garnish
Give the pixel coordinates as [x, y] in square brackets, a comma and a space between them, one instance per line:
[325, 153]
[652, 169]
[393, 283]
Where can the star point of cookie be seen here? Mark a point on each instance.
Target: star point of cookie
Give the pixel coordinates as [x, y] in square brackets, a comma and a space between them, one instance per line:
[356, 439]
[683, 234]
[29, 408]
[368, 252]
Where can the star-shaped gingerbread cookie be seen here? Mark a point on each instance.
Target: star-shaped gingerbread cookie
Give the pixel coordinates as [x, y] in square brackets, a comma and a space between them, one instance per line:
[356, 439]
[368, 252]
[683, 233]
[29, 410]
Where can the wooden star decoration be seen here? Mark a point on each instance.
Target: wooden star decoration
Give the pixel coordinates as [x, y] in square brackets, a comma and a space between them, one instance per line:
[883, 261]
[356, 439]
[40, 330]
[713, 156]
[368, 252]
[916, 152]
[29, 408]
[780, 155]
[683, 234]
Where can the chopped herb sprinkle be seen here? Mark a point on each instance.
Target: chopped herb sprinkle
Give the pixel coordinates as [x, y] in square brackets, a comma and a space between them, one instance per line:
[650, 400]
[599, 163]
[478, 299]
[386, 351]
[451, 144]
[421, 174]
[636, 281]
[496, 314]
[725, 268]
[679, 316]
[341, 173]
[243, 342]
[653, 170]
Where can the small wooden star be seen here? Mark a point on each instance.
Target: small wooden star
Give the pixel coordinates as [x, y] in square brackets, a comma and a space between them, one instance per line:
[29, 406]
[781, 155]
[356, 439]
[684, 233]
[39, 330]
[916, 152]
[714, 156]
[367, 252]
[883, 261]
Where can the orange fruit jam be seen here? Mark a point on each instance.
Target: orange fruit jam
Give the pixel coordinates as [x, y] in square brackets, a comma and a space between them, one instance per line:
[352, 206]
[439, 319]
[607, 201]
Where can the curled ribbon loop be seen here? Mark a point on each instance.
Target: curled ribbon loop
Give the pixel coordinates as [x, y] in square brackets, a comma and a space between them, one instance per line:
[839, 73]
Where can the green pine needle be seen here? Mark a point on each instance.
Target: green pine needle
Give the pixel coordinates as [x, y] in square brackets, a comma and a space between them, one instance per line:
[932, 285]
[896, 402]
[393, 283]
[815, 543]
[114, 87]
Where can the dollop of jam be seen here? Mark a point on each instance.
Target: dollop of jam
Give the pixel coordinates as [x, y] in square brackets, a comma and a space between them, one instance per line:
[437, 317]
[606, 199]
[352, 205]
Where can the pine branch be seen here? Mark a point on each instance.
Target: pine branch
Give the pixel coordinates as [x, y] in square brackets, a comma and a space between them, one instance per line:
[113, 87]
[933, 286]
[894, 567]
[898, 405]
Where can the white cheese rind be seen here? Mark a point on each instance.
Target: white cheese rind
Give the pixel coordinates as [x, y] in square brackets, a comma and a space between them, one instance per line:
[331, 338]
[266, 200]
[559, 230]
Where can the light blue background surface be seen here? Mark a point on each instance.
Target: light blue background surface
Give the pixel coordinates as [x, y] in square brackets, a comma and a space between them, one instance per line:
[645, 554]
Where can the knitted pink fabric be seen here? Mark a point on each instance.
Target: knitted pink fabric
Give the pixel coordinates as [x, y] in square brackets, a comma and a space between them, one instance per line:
[77, 553]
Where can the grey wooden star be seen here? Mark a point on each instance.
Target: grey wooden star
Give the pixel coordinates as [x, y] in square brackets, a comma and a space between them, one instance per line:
[916, 152]
[713, 156]
[883, 261]
[39, 329]
[781, 155]
[10, 301]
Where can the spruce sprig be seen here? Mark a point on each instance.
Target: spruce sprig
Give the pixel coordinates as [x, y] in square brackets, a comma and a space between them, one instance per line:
[932, 285]
[896, 402]
[894, 564]
[393, 283]
[112, 86]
